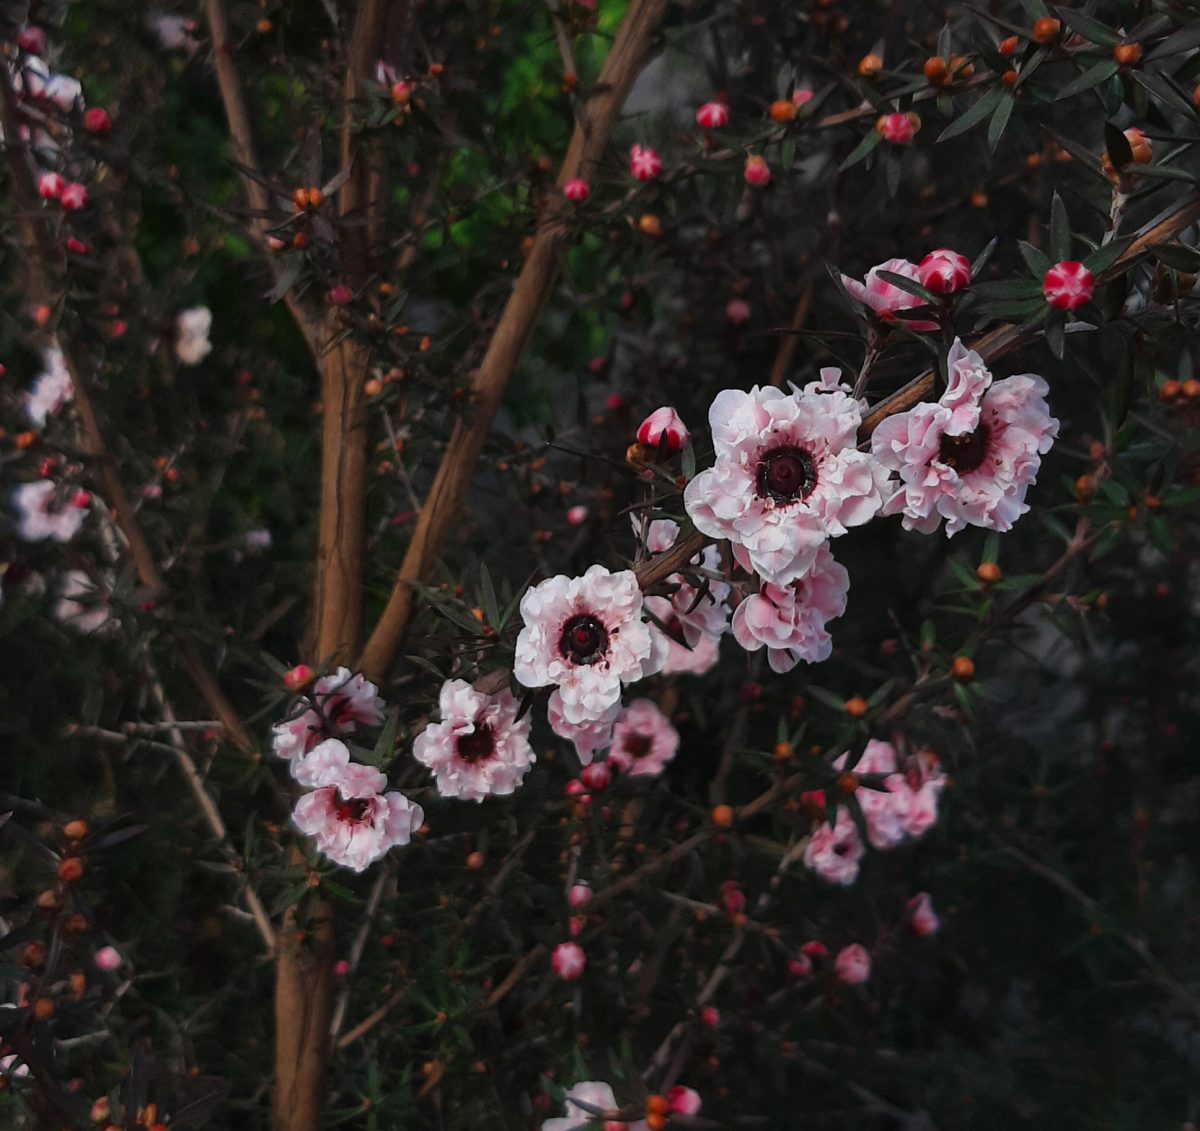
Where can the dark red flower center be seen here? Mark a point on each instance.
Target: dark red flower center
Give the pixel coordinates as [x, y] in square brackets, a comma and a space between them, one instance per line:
[584, 640]
[967, 452]
[353, 810]
[477, 745]
[785, 475]
[638, 745]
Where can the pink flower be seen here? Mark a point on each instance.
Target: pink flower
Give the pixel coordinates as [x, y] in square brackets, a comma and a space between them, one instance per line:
[588, 736]
[587, 636]
[757, 172]
[577, 516]
[801, 97]
[1068, 285]
[353, 820]
[834, 850]
[346, 699]
[32, 40]
[737, 310]
[885, 298]
[969, 458]
[97, 121]
[684, 1101]
[712, 116]
[568, 961]
[790, 620]
[577, 190]
[853, 965]
[479, 749]
[899, 129]
[297, 736]
[51, 390]
[925, 780]
[597, 777]
[644, 164]
[643, 741]
[592, 1096]
[788, 476]
[45, 512]
[885, 808]
[921, 916]
[108, 958]
[74, 197]
[944, 271]
[82, 604]
[51, 186]
[663, 428]
[579, 896]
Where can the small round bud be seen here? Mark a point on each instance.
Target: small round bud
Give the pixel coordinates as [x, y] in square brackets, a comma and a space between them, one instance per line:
[936, 71]
[869, 66]
[963, 668]
[1128, 54]
[476, 861]
[70, 870]
[988, 572]
[783, 111]
[1046, 30]
[722, 816]
[1170, 390]
[44, 1008]
[75, 830]
[856, 707]
[1008, 47]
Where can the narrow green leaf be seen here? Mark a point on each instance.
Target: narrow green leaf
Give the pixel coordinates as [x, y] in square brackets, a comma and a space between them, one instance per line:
[1160, 88]
[860, 151]
[1056, 335]
[491, 607]
[909, 285]
[981, 260]
[973, 115]
[1036, 260]
[1092, 77]
[1104, 257]
[1060, 230]
[1184, 39]
[1092, 30]
[999, 121]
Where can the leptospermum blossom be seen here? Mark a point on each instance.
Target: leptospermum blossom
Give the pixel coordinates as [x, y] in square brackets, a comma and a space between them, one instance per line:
[644, 164]
[586, 635]
[663, 428]
[46, 511]
[341, 702]
[479, 748]
[74, 197]
[577, 190]
[788, 475]
[944, 272]
[712, 116]
[81, 606]
[886, 299]
[589, 735]
[587, 1103]
[192, 328]
[790, 620]
[885, 805]
[922, 918]
[757, 172]
[568, 961]
[51, 390]
[835, 850]
[853, 965]
[970, 457]
[352, 819]
[1068, 286]
[643, 740]
[898, 129]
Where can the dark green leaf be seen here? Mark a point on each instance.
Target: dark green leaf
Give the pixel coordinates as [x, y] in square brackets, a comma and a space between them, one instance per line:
[1092, 77]
[1056, 334]
[1092, 30]
[1163, 90]
[981, 260]
[1184, 39]
[1179, 257]
[1009, 288]
[1119, 151]
[1104, 257]
[909, 285]
[860, 151]
[1060, 230]
[1036, 260]
[973, 115]
[999, 121]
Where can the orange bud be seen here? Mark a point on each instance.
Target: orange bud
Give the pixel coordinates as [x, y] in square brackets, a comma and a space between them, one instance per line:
[783, 111]
[75, 830]
[1046, 30]
[869, 66]
[657, 1105]
[300, 199]
[856, 707]
[315, 198]
[650, 225]
[43, 1009]
[1008, 47]
[1191, 389]
[476, 861]
[963, 669]
[989, 573]
[1128, 54]
[722, 816]
[937, 71]
[961, 67]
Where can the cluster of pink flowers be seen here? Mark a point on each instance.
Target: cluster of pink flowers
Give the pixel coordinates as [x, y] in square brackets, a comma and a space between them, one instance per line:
[480, 748]
[901, 804]
[593, 1104]
[970, 457]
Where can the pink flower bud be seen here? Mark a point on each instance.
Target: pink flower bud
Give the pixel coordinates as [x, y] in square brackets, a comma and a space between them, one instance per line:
[275, 243]
[299, 677]
[758, 172]
[853, 965]
[575, 788]
[944, 271]
[119, 329]
[899, 129]
[663, 429]
[78, 247]
[575, 925]
[577, 190]
[579, 896]
[97, 121]
[737, 311]
[921, 916]
[733, 899]
[340, 295]
[615, 402]
[74, 197]
[341, 968]
[1068, 285]
[644, 164]
[568, 961]
[597, 365]
[82, 500]
[51, 185]
[108, 958]
[597, 777]
[101, 1110]
[710, 1016]
[814, 949]
[712, 116]
[577, 516]
[800, 96]
[32, 40]
[683, 1101]
[801, 967]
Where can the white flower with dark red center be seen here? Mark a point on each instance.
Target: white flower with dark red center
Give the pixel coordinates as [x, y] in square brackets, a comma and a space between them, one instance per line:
[51, 390]
[568, 961]
[834, 850]
[644, 164]
[787, 477]
[192, 328]
[885, 298]
[692, 619]
[479, 748]
[790, 620]
[853, 965]
[323, 763]
[587, 1102]
[922, 918]
[586, 635]
[296, 737]
[643, 740]
[82, 604]
[353, 820]
[970, 457]
[345, 699]
[48, 512]
[588, 736]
